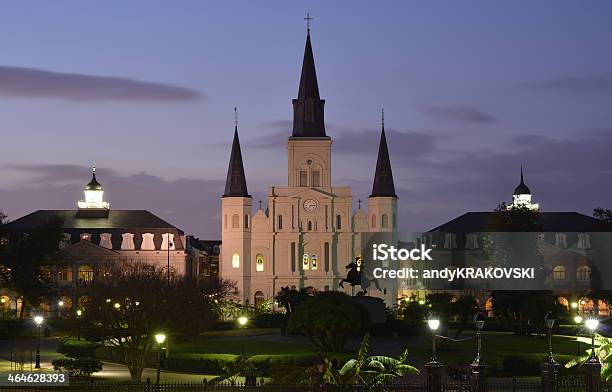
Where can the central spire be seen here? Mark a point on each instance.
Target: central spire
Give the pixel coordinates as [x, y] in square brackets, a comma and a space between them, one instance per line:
[383, 177]
[308, 108]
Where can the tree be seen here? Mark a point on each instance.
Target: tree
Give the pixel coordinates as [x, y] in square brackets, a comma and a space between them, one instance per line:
[290, 299]
[3, 218]
[464, 308]
[603, 214]
[130, 302]
[368, 371]
[327, 319]
[22, 261]
[603, 351]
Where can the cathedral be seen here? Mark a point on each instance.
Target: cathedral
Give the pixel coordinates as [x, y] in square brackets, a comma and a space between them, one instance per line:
[308, 233]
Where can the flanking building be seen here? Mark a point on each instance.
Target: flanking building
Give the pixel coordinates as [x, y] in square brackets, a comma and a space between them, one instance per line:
[93, 235]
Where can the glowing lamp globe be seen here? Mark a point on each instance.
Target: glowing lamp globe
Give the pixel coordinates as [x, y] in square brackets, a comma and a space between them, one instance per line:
[578, 319]
[243, 320]
[433, 324]
[592, 324]
[38, 320]
[160, 338]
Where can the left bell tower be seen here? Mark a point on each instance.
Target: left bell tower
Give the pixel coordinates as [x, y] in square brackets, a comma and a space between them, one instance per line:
[236, 210]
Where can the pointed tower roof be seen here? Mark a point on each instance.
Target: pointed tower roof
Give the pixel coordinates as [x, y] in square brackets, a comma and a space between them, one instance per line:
[308, 108]
[522, 189]
[309, 87]
[93, 185]
[383, 178]
[235, 184]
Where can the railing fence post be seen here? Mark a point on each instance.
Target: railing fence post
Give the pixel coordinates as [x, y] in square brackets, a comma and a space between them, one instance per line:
[550, 376]
[478, 377]
[592, 369]
[434, 376]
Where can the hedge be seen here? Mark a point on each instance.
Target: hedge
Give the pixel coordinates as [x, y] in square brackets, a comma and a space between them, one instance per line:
[76, 348]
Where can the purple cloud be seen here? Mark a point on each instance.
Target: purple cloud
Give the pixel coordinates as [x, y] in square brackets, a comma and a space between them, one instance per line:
[462, 114]
[36, 83]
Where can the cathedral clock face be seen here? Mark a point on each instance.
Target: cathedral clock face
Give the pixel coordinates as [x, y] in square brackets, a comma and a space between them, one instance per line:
[310, 205]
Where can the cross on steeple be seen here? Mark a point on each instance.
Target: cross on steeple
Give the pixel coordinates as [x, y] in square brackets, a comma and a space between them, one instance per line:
[359, 201]
[260, 204]
[235, 116]
[308, 19]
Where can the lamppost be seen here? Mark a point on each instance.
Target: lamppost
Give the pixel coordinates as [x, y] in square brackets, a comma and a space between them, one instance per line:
[592, 323]
[38, 320]
[242, 322]
[550, 323]
[478, 370]
[60, 305]
[3, 300]
[479, 324]
[433, 324]
[79, 313]
[160, 338]
[578, 320]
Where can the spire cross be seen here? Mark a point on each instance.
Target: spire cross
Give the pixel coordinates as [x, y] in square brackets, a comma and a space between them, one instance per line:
[382, 118]
[236, 116]
[308, 18]
[260, 204]
[359, 201]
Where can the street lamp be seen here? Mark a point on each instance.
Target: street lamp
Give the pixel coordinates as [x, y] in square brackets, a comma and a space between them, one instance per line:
[578, 319]
[38, 320]
[550, 323]
[574, 305]
[242, 322]
[3, 300]
[160, 338]
[433, 324]
[592, 323]
[479, 321]
[60, 305]
[117, 305]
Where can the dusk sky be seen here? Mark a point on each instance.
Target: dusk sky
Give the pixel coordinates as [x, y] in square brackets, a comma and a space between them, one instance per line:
[146, 90]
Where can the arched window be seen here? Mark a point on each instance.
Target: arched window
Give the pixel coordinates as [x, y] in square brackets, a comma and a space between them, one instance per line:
[314, 262]
[583, 273]
[105, 241]
[65, 273]
[235, 221]
[235, 260]
[246, 221]
[85, 273]
[280, 222]
[563, 301]
[384, 221]
[305, 262]
[559, 273]
[309, 225]
[316, 178]
[259, 263]
[303, 177]
[259, 299]
[373, 221]
[147, 242]
[339, 222]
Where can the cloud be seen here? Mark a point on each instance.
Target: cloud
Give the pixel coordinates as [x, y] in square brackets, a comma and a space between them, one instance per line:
[461, 114]
[575, 84]
[37, 83]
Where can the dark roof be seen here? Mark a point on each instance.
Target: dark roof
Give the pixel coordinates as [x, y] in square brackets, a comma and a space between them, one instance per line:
[474, 222]
[93, 185]
[383, 177]
[308, 108]
[210, 246]
[235, 184]
[522, 189]
[117, 219]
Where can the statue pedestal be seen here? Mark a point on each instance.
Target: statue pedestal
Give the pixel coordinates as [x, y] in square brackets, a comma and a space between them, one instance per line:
[375, 308]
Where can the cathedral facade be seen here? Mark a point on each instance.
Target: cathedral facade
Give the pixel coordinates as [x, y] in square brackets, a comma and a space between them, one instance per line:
[308, 232]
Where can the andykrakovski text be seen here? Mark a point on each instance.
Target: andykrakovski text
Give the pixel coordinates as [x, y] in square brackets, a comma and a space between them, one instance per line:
[385, 252]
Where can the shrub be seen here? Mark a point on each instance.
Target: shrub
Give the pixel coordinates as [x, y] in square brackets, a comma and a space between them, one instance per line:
[76, 348]
[270, 320]
[200, 363]
[528, 364]
[328, 319]
[77, 367]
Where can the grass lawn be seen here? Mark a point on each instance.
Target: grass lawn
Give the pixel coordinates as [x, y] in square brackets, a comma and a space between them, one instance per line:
[250, 345]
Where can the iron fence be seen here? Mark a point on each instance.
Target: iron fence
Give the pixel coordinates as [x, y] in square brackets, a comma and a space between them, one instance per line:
[497, 385]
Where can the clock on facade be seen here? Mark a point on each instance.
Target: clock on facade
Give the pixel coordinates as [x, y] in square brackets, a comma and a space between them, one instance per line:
[310, 205]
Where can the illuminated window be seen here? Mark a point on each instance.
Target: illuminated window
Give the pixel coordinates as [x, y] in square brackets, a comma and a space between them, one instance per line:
[85, 237]
[583, 273]
[65, 273]
[303, 178]
[314, 262]
[235, 221]
[373, 221]
[85, 273]
[259, 263]
[3, 242]
[316, 178]
[339, 222]
[305, 262]
[165, 244]
[559, 273]
[235, 260]
[385, 221]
